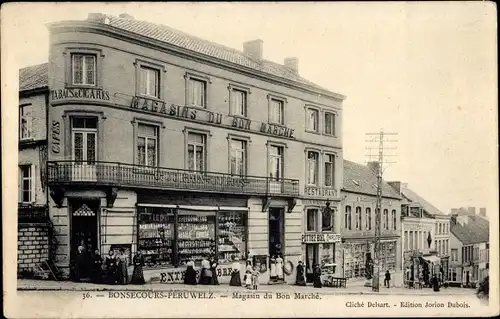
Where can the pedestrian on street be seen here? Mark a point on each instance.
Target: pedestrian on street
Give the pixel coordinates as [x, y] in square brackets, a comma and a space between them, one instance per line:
[213, 267]
[300, 276]
[235, 273]
[279, 267]
[248, 275]
[123, 267]
[255, 277]
[387, 280]
[138, 274]
[435, 283]
[205, 273]
[96, 271]
[111, 268]
[317, 277]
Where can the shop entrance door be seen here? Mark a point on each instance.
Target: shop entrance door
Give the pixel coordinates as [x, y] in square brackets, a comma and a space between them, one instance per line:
[312, 258]
[276, 231]
[84, 214]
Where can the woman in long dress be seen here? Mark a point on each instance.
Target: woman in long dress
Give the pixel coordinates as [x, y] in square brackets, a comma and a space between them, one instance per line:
[272, 261]
[138, 274]
[235, 274]
[435, 283]
[279, 268]
[190, 276]
[111, 268]
[248, 274]
[300, 276]
[79, 270]
[317, 277]
[96, 273]
[213, 268]
[205, 273]
[123, 267]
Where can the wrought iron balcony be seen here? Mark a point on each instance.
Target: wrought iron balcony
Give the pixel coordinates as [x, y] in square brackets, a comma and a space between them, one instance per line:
[60, 173]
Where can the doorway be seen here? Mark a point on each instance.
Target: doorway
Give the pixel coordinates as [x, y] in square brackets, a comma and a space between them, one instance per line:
[84, 225]
[312, 258]
[276, 231]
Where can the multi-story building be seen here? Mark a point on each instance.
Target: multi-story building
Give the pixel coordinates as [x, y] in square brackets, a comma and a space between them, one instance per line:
[182, 148]
[33, 226]
[359, 201]
[426, 236]
[469, 261]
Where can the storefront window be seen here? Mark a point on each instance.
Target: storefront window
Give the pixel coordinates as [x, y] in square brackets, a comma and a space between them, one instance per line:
[156, 236]
[196, 235]
[232, 236]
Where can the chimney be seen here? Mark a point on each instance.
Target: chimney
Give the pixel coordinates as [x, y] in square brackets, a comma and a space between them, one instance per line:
[98, 17]
[396, 186]
[471, 210]
[253, 48]
[482, 211]
[126, 16]
[292, 64]
[374, 166]
[454, 219]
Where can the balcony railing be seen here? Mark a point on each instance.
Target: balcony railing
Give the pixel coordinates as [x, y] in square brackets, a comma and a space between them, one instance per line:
[136, 176]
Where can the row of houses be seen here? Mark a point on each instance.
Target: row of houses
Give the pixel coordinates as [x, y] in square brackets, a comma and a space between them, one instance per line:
[137, 136]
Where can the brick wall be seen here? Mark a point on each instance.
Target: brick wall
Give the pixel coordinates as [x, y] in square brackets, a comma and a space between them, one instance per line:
[32, 245]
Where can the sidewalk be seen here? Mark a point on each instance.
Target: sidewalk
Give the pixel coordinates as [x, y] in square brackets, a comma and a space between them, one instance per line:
[48, 285]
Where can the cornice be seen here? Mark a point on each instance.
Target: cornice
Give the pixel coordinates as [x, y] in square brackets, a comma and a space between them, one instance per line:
[99, 28]
[368, 194]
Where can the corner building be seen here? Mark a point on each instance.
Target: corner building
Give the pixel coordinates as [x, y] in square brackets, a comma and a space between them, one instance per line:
[181, 148]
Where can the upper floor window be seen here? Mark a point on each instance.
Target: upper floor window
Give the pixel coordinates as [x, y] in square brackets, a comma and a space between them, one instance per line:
[454, 254]
[276, 111]
[394, 221]
[312, 120]
[329, 123]
[197, 151]
[84, 139]
[83, 67]
[238, 102]
[238, 156]
[368, 218]
[197, 93]
[439, 227]
[329, 170]
[26, 184]
[347, 218]
[358, 218]
[149, 81]
[386, 219]
[147, 145]
[312, 219]
[312, 168]
[25, 122]
[276, 162]
[327, 220]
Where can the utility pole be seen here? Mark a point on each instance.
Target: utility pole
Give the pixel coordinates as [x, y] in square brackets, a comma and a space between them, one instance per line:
[380, 139]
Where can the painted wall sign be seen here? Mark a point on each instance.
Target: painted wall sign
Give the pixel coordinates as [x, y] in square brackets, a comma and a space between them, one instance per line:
[56, 136]
[225, 120]
[176, 275]
[320, 191]
[320, 237]
[80, 93]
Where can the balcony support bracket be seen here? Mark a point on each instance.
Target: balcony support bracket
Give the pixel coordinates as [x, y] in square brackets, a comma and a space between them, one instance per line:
[111, 193]
[57, 195]
[266, 202]
[291, 204]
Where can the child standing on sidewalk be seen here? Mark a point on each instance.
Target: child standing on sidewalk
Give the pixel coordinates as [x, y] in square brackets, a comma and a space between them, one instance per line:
[255, 278]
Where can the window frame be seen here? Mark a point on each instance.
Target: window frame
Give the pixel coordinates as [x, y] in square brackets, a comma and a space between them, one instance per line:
[246, 141]
[317, 220]
[326, 155]
[386, 218]
[334, 128]
[85, 132]
[29, 121]
[84, 70]
[233, 87]
[146, 138]
[99, 57]
[31, 178]
[358, 218]
[394, 219]
[68, 138]
[283, 147]
[348, 217]
[317, 111]
[189, 77]
[368, 218]
[140, 64]
[283, 101]
[317, 172]
[207, 134]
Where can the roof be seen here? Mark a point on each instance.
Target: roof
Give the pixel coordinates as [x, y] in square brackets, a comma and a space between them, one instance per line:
[33, 77]
[414, 197]
[362, 179]
[180, 39]
[476, 231]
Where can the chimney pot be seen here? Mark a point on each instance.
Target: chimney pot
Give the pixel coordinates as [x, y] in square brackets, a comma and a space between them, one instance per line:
[293, 64]
[482, 211]
[471, 210]
[254, 48]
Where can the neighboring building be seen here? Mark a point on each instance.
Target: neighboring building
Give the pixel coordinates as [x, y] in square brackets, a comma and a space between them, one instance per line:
[181, 148]
[33, 222]
[469, 249]
[359, 200]
[426, 237]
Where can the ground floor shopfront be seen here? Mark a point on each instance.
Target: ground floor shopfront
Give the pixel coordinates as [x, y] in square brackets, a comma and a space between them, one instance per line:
[358, 254]
[421, 266]
[170, 228]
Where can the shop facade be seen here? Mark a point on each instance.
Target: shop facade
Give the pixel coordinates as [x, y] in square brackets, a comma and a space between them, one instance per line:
[166, 167]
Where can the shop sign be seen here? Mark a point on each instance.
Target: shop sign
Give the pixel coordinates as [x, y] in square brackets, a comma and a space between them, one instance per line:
[56, 137]
[320, 191]
[176, 275]
[80, 93]
[320, 238]
[203, 179]
[198, 114]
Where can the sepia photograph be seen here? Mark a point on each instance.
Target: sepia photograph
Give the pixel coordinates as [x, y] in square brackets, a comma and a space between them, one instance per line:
[280, 159]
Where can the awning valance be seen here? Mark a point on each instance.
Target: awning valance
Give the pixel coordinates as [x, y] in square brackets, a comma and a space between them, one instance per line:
[433, 259]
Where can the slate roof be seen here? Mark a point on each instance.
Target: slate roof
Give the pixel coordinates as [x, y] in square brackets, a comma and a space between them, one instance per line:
[476, 231]
[362, 179]
[414, 197]
[33, 77]
[178, 38]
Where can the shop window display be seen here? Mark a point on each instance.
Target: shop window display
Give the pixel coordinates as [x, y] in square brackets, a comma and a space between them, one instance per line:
[156, 236]
[231, 235]
[195, 236]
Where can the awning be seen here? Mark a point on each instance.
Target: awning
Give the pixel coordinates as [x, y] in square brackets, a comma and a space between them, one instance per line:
[433, 259]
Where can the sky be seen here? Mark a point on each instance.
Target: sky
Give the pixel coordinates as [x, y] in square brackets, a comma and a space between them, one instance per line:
[426, 70]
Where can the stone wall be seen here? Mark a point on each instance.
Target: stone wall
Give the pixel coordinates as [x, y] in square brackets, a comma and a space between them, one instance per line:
[32, 245]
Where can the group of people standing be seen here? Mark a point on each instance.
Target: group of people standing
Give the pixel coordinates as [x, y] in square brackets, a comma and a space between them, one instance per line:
[112, 269]
[208, 273]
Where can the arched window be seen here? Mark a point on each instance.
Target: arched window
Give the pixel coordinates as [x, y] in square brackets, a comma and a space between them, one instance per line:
[386, 219]
[368, 219]
[394, 221]
[347, 218]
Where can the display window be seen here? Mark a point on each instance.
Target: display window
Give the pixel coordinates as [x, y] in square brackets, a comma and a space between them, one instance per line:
[172, 236]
